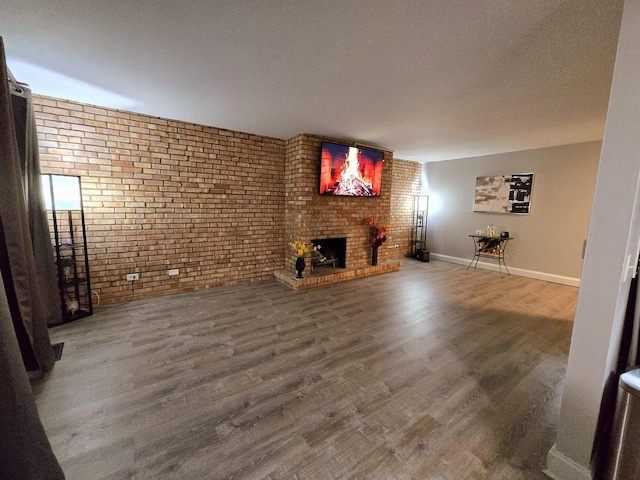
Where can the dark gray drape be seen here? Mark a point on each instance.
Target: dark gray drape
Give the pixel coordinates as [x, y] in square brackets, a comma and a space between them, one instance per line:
[25, 452]
[46, 272]
[29, 278]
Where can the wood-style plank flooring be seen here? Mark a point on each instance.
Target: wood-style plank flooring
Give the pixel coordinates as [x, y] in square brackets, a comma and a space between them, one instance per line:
[432, 372]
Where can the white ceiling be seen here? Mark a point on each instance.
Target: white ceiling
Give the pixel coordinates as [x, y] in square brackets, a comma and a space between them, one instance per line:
[429, 79]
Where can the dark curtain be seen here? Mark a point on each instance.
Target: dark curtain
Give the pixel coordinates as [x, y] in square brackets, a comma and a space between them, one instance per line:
[25, 452]
[26, 258]
[39, 232]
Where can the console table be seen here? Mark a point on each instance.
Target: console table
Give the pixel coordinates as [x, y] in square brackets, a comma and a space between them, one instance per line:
[489, 247]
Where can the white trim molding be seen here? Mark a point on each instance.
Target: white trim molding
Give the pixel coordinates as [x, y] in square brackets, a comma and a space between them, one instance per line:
[521, 272]
[561, 467]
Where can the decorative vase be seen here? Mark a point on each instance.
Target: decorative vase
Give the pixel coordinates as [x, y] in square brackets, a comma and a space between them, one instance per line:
[374, 255]
[300, 266]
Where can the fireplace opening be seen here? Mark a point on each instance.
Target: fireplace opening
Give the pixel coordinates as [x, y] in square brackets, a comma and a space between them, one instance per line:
[333, 248]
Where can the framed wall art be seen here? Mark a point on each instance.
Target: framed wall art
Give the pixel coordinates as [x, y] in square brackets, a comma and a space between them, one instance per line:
[504, 193]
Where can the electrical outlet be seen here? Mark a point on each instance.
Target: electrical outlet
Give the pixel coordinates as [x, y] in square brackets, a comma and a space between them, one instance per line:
[174, 271]
[132, 277]
[396, 246]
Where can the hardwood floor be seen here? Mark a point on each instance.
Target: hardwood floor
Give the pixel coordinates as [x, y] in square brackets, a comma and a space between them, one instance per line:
[432, 372]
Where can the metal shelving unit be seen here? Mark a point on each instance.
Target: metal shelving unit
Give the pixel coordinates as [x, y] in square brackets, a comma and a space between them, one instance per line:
[63, 198]
[419, 232]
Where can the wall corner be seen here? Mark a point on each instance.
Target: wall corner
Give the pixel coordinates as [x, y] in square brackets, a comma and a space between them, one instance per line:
[561, 467]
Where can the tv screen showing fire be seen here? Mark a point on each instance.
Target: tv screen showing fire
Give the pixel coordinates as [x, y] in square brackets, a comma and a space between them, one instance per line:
[350, 171]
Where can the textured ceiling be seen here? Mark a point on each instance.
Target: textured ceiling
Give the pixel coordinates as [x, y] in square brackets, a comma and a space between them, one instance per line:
[429, 79]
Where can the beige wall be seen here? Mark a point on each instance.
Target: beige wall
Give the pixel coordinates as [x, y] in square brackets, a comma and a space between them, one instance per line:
[548, 240]
[613, 240]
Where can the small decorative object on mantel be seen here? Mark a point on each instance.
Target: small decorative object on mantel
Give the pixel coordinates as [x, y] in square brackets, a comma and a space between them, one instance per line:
[377, 234]
[302, 250]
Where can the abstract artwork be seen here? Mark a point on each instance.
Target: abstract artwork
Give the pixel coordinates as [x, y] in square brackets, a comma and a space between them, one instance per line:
[503, 193]
[520, 193]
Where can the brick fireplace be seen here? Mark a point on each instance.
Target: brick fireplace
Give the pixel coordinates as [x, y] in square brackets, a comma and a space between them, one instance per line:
[310, 216]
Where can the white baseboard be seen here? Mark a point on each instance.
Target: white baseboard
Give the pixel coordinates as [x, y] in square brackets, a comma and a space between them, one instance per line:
[521, 272]
[561, 467]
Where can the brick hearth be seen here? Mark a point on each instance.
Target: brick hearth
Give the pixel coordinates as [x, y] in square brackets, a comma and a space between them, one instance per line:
[324, 276]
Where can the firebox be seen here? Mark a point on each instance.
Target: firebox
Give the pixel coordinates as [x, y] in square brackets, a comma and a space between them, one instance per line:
[333, 248]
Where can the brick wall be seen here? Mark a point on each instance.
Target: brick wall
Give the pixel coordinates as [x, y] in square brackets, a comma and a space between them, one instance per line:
[220, 206]
[407, 179]
[162, 194]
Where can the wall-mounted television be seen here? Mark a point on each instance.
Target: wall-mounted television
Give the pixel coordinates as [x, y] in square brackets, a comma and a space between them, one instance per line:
[350, 171]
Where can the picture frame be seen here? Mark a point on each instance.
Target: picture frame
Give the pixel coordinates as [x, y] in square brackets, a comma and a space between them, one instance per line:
[503, 194]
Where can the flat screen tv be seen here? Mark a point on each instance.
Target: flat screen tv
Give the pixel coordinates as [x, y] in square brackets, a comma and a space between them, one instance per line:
[350, 171]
